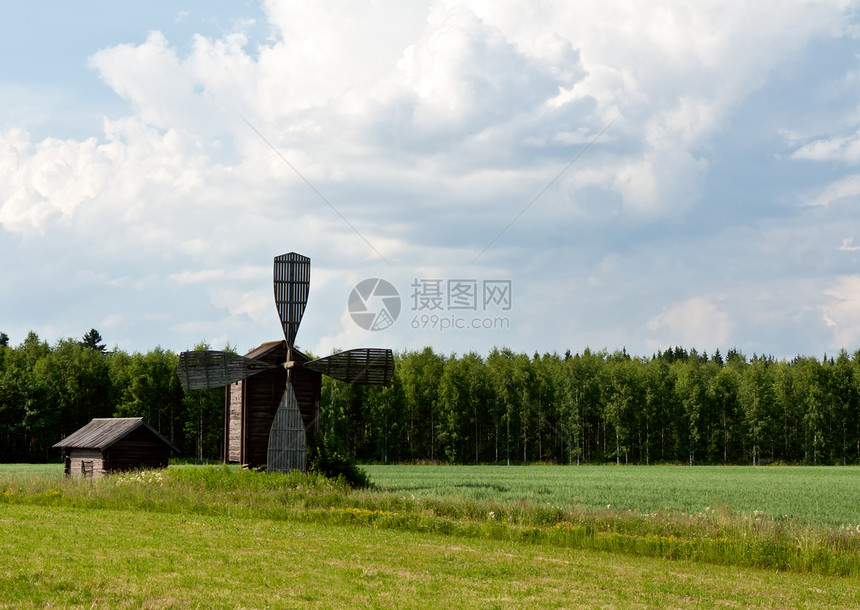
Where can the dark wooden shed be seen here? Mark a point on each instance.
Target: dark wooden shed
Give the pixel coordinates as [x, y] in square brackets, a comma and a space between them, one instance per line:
[251, 404]
[114, 444]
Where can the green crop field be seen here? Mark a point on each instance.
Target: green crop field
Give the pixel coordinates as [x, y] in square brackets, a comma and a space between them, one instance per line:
[827, 496]
[424, 537]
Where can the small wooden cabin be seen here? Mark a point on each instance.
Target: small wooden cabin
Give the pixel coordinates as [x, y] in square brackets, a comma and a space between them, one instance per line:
[251, 404]
[114, 444]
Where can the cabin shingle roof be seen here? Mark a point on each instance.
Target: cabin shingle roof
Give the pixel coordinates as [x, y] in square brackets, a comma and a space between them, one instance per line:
[102, 432]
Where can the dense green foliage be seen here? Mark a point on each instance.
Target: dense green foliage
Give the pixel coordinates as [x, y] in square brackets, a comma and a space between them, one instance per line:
[325, 459]
[48, 392]
[594, 407]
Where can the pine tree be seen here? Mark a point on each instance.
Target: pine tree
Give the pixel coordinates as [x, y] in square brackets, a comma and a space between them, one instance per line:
[93, 341]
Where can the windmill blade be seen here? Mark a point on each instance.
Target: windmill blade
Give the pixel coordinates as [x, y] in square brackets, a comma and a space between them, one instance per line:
[364, 365]
[201, 370]
[287, 439]
[292, 278]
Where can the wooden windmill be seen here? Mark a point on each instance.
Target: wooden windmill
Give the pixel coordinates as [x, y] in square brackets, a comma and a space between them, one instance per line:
[293, 419]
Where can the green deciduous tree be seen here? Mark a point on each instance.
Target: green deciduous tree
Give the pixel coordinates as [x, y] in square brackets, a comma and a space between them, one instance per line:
[420, 373]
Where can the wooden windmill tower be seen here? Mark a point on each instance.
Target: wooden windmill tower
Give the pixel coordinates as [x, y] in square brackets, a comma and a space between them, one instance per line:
[283, 372]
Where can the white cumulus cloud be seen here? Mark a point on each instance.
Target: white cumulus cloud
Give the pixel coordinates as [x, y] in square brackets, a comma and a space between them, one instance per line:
[698, 321]
[422, 131]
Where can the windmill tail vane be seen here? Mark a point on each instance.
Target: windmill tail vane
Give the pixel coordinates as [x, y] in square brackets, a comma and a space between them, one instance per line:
[287, 442]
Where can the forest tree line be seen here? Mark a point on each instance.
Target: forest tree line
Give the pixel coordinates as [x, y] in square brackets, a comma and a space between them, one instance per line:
[49, 391]
[676, 406]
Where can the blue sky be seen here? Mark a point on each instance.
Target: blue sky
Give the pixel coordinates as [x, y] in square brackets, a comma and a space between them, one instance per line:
[642, 176]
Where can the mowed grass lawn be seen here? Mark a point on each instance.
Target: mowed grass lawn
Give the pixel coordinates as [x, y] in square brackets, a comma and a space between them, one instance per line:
[215, 537]
[62, 556]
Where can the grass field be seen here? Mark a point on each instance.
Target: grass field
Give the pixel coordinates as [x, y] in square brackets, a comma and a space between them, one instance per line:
[64, 556]
[827, 496]
[216, 537]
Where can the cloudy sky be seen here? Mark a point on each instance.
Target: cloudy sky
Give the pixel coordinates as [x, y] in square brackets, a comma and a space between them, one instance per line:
[539, 175]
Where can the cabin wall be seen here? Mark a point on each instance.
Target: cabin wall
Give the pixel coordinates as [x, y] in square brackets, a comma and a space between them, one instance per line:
[233, 432]
[88, 463]
[138, 449]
